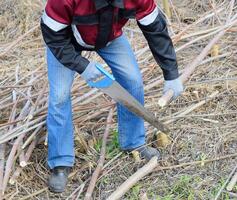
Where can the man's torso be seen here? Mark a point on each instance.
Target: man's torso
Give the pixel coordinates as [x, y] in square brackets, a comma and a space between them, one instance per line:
[85, 17]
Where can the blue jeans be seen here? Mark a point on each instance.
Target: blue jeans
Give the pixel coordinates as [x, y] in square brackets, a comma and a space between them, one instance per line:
[119, 56]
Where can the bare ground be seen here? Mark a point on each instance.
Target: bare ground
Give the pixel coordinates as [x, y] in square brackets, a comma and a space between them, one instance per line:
[205, 133]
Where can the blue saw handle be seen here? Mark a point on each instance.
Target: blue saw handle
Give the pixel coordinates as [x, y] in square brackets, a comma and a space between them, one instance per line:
[104, 82]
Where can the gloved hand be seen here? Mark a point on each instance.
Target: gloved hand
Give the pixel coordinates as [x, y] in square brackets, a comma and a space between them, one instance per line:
[91, 72]
[176, 85]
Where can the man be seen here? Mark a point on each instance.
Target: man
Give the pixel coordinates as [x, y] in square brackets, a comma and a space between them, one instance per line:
[71, 26]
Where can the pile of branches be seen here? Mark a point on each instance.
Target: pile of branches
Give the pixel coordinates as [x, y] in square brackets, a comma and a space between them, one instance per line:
[24, 87]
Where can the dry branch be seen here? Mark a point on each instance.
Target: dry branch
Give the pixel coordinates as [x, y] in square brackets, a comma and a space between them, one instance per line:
[232, 183]
[14, 43]
[100, 164]
[192, 66]
[2, 160]
[27, 157]
[167, 8]
[23, 74]
[192, 107]
[132, 180]
[149, 167]
[225, 183]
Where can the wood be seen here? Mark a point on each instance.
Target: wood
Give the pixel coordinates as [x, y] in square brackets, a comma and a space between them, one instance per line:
[232, 183]
[196, 162]
[100, 164]
[167, 8]
[17, 172]
[215, 50]
[2, 162]
[15, 42]
[225, 183]
[192, 107]
[24, 74]
[189, 69]
[10, 162]
[132, 180]
[7, 167]
[152, 165]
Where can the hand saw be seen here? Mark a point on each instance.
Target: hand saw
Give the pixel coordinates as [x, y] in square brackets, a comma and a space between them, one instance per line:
[112, 88]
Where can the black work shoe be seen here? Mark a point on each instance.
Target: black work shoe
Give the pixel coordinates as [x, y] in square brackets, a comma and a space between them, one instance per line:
[58, 179]
[148, 152]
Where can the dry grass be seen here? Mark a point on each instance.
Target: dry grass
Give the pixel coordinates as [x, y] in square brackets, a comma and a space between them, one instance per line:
[207, 132]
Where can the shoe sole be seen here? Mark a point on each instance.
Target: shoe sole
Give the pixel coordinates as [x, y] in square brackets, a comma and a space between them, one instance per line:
[53, 190]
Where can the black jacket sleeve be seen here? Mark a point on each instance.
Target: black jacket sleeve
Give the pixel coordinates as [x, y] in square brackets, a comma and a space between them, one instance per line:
[161, 46]
[60, 44]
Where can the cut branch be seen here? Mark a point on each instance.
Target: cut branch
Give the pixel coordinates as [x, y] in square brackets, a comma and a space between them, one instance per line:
[132, 180]
[192, 66]
[99, 167]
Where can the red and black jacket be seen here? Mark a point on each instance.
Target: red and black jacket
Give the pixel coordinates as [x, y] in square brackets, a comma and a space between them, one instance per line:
[71, 26]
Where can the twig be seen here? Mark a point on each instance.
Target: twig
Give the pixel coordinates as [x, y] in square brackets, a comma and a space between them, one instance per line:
[34, 194]
[224, 185]
[193, 107]
[132, 180]
[81, 190]
[232, 183]
[13, 44]
[2, 159]
[149, 167]
[99, 167]
[192, 66]
[27, 157]
[196, 162]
